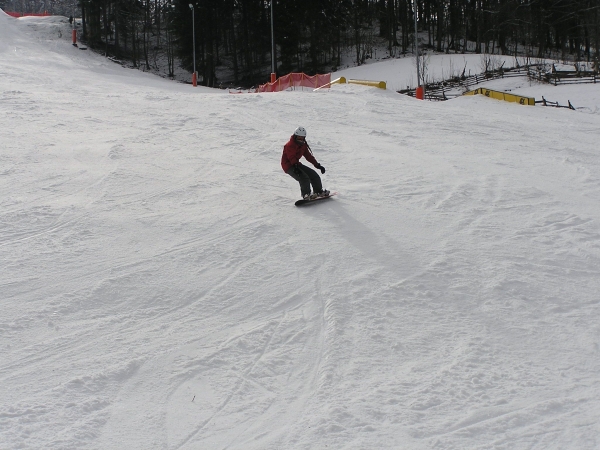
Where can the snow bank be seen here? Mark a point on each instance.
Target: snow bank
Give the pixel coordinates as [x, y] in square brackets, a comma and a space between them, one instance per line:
[160, 290]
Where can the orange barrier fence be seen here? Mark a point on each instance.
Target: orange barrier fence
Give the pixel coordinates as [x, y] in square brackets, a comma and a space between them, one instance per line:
[295, 80]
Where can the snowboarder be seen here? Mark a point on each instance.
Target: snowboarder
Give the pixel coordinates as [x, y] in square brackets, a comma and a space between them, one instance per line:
[296, 148]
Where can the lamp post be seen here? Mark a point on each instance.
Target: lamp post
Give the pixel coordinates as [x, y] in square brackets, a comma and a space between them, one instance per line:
[273, 75]
[194, 77]
[419, 91]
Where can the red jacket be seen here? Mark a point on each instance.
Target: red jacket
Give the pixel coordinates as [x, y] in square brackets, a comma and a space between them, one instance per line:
[293, 151]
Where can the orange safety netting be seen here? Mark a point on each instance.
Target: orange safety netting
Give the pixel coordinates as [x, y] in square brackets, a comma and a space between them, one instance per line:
[295, 80]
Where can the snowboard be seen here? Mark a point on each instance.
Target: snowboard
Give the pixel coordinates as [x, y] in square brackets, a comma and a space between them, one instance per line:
[303, 202]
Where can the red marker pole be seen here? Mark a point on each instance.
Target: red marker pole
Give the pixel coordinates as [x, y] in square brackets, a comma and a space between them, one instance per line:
[420, 93]
[194, 80]
[74, 34]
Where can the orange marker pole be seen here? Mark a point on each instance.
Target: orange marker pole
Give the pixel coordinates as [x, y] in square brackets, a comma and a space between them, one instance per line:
[420, 93]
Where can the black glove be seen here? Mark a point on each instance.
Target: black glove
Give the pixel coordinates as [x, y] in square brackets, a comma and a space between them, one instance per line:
[296, 169]
[321, 168]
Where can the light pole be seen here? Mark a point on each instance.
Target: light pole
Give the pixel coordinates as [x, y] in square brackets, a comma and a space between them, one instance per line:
[273, 75]
[194, 78]
[419, 90]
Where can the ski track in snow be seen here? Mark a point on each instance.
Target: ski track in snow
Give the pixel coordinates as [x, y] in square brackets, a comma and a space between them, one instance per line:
[160, 290]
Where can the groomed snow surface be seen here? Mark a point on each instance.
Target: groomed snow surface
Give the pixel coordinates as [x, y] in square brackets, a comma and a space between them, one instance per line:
[159, 289]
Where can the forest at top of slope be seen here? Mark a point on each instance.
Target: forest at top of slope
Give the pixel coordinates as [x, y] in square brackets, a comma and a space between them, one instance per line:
[234, 39]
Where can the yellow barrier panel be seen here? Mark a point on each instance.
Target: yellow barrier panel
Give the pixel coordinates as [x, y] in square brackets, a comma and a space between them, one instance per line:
[377, 84]
[503, 96]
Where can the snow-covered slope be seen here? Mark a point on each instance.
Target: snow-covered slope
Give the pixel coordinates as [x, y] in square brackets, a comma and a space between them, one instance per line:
[160, 290]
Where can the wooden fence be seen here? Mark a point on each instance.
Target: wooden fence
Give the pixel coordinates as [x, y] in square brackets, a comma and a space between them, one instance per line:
[557, 77]
[545, 102]
[456, 86]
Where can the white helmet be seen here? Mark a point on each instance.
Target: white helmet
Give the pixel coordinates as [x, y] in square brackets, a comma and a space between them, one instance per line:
[300, 131]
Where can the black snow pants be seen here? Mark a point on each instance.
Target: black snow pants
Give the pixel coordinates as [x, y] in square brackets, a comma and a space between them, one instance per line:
[306, 177]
